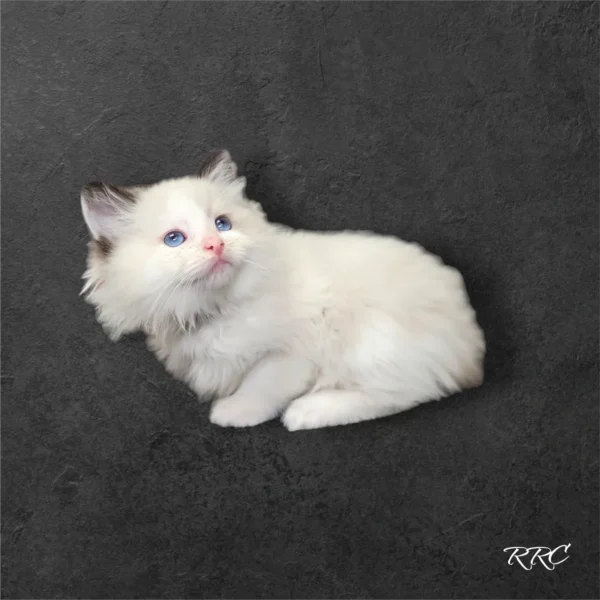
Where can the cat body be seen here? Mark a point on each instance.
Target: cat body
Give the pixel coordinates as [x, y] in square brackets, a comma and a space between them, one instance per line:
[323, 328]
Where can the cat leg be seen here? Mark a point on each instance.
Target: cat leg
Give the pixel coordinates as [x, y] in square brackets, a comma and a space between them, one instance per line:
[338, 407]
[265, 391]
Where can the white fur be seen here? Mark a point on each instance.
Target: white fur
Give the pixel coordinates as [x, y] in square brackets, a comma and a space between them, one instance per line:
[323, 328]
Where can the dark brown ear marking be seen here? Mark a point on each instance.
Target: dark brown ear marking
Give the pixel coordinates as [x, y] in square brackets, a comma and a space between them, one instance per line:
[104, 205]
[220, 168]
[97, 187]
[104, 246]
[214, 160]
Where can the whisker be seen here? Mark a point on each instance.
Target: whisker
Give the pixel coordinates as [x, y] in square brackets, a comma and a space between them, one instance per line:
[159, 298]
[255, 264]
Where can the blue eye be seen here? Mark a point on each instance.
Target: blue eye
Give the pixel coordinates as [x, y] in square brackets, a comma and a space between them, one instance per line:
[223, 223]
[174, 238]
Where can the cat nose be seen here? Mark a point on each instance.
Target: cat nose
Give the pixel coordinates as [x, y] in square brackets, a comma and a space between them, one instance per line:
[213, 243]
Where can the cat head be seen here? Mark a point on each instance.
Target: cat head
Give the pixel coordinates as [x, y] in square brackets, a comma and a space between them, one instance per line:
[173, 250]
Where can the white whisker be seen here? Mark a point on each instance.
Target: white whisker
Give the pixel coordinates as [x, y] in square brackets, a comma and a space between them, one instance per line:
[254, 264]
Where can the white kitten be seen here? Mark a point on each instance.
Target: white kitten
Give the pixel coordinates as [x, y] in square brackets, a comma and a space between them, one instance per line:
[323, 328]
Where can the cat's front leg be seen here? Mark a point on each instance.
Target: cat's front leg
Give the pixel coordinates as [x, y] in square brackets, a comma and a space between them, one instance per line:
[265, 391]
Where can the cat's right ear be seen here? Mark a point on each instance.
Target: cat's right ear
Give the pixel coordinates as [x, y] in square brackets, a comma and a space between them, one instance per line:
[219, 167]
[104, 207]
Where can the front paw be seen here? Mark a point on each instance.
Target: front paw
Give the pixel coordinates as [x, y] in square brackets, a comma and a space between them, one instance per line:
[312, 412]
[302, 416]
[238, 412]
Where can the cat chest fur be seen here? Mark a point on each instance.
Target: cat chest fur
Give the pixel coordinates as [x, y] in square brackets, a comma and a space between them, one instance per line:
[213, 357]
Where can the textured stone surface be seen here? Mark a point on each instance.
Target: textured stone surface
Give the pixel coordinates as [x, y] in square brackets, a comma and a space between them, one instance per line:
[471, 128]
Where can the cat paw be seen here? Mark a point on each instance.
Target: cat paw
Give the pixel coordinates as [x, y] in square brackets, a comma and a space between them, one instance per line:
[308, 413]
[238, 412]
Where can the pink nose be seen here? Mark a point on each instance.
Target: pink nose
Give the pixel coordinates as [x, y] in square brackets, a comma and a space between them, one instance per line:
[213, 243]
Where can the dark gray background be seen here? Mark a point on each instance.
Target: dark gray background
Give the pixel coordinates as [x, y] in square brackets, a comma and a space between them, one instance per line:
[470, 128]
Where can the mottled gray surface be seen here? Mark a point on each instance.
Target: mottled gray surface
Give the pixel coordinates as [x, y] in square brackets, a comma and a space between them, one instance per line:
[471, 128]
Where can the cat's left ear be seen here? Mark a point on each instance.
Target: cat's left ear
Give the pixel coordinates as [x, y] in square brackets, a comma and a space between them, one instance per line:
[105, 207]
[220, 168]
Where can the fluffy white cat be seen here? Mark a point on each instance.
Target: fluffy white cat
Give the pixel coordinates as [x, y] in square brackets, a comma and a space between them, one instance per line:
[321, 328]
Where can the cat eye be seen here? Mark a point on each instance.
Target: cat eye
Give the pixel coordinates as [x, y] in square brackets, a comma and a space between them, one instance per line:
[223, 223]
[174, 238]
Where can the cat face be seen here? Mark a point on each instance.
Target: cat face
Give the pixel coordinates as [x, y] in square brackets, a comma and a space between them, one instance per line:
[171, 248]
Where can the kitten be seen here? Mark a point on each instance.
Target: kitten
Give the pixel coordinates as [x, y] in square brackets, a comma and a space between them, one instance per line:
[321, 328]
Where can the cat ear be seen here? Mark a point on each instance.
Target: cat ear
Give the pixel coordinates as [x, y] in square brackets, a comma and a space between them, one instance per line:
[220, 168]
[104, 207]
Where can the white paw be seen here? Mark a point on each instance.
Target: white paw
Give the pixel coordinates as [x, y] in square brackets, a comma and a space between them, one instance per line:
[307, 413]
[238, 412]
